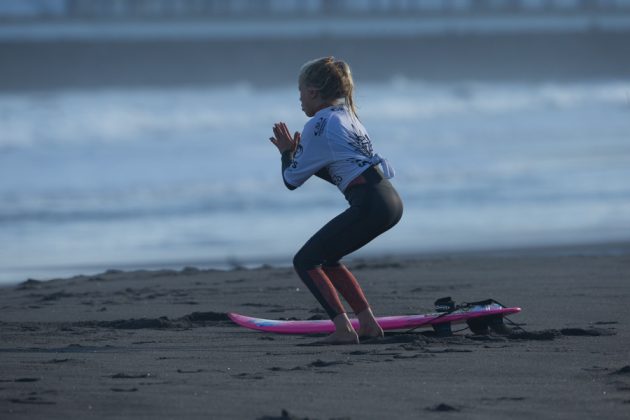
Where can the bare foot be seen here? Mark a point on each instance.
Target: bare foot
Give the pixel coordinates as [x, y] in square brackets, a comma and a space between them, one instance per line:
[344, 333]
[341, 337]
[369, 328]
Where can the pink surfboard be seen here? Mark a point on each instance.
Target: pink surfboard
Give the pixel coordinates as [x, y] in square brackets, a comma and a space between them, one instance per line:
[386, 322]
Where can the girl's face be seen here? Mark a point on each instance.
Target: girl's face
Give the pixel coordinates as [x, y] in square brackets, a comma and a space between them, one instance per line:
[309, 98]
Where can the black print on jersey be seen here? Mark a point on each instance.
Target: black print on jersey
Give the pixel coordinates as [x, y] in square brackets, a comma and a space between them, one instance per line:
[359, 162]
[337, 108]
[319, 127]
[336, 179]
[361, 142]
[298, 151]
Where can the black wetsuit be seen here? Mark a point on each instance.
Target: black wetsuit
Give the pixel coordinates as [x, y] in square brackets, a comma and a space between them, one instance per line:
[375, 207]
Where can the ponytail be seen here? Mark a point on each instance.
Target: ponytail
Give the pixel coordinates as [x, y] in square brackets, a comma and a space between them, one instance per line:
[331, 78]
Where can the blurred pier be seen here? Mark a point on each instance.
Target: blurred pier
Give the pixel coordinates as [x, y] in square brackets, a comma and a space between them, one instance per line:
[93, 43]
[170, 9]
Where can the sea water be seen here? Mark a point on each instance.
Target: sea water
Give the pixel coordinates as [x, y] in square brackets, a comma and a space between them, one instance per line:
[147, 178]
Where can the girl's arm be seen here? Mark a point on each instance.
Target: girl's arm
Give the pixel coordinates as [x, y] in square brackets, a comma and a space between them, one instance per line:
[286, 146]
[300, 159]
[287, 159]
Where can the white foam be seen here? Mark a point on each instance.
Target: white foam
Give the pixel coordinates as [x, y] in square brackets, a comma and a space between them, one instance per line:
[124, 176]
[180, 115]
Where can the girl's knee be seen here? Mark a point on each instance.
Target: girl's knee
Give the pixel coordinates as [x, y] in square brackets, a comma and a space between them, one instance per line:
[305, 259]
[301, 260]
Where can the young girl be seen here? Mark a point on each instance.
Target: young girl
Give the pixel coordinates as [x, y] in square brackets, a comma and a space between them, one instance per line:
[335, 146]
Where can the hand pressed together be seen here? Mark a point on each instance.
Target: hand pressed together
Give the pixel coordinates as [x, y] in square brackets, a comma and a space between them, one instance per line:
[283, 139]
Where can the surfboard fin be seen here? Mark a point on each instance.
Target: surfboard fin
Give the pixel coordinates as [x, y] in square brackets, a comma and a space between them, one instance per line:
[497, 325]
[483, 325]
[443, 329]
[478, 326]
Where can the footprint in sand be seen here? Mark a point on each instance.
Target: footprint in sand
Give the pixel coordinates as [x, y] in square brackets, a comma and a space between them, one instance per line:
[132, 376]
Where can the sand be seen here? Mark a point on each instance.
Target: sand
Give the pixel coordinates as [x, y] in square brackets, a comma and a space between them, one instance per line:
[157, 344]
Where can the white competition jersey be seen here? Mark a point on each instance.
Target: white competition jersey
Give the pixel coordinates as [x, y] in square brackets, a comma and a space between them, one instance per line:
[335, 140]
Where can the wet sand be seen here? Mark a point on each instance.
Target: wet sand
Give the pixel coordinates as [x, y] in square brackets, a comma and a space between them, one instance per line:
[158, 344]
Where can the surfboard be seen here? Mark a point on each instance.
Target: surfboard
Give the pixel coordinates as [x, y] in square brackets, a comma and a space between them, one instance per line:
[398, 322]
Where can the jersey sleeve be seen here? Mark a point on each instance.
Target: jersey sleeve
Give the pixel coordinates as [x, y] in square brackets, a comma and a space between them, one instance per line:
[312, 154]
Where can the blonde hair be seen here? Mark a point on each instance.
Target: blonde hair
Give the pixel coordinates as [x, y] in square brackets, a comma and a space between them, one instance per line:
[331, 78]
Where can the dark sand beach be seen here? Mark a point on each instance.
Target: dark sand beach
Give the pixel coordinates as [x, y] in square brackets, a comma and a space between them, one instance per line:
[157, 344]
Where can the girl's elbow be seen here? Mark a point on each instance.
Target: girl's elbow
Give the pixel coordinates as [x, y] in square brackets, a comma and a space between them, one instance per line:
[289, 186]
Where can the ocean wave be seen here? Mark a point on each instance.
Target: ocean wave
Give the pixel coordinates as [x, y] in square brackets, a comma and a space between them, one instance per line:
[180, 115]
[156, 174]
[177, 201]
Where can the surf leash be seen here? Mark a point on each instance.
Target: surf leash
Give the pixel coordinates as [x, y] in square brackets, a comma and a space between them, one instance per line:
[446, 306]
